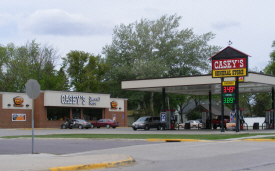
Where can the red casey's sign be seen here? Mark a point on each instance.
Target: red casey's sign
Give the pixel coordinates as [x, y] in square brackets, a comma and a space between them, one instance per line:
[233, 67]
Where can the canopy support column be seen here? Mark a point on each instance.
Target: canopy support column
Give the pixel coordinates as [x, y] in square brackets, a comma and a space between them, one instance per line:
[273, 107]
[222, 107]
[210, 109]
[163, 100]
[237, 105]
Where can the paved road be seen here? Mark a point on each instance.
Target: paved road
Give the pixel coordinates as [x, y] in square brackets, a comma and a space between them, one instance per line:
[190, 156]
[63, 146]
[198, 156]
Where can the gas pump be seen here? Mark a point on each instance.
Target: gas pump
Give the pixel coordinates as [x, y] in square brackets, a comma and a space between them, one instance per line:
[169, 118]
[172, 118]
[241, 118]
[206, 123]
[269, 119]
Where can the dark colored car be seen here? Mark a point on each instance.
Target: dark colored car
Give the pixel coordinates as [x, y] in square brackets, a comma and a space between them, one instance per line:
[147, 122]
[76, 123]
[105, 123]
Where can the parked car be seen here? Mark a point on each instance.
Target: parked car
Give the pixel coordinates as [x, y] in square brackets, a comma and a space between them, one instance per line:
[105, 123]
[193, 124]
[76, 123]
[200, 120]
[218, 122]
[147, 122]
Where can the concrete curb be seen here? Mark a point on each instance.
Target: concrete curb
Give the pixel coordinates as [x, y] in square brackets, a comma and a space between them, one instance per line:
[194, 140]
[258, 140]
[176, 140]
[127, 162]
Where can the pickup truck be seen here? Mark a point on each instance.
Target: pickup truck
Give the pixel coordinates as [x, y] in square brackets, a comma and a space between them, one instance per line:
[217, 122]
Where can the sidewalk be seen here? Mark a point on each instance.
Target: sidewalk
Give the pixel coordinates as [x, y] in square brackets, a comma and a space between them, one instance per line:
[49, 162]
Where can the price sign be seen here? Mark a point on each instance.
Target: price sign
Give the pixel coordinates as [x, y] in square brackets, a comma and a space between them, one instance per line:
[228, 94]
[228, 100]
[228, 89]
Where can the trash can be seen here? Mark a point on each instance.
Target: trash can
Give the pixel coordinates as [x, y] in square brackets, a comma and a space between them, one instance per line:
[256, 125]
[187, 126]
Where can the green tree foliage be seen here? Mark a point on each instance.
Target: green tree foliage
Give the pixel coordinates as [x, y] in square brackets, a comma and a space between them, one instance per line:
[262, 102]
[86, 71]
[150, 49]
[30, 61]
[245, 102]
[270, 68]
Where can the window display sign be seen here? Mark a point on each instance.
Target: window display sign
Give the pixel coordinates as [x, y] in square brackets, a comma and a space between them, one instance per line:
[234, 67]
[18, 117]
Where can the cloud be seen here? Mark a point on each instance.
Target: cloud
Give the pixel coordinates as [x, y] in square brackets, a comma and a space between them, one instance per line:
[59, 22]
[225, 24]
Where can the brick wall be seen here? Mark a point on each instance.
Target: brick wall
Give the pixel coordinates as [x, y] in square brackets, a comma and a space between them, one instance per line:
[6, 117]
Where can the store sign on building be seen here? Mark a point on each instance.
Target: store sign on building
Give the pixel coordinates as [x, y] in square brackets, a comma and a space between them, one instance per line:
[18, 101]
[76, 99]
[113, 105]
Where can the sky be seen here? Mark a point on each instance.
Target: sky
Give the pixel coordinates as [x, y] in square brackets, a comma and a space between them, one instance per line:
[87, 25]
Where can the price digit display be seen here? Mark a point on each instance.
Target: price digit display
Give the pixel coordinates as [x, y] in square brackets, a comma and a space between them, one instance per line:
[229, 100]
[229, 89]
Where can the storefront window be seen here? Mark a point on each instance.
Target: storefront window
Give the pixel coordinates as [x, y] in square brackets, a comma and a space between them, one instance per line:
[92, 114]
[58, 113]
[76, 113]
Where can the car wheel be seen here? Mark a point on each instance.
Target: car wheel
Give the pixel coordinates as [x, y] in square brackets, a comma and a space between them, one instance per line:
[134, 129]
[63, 126]
[92, 126]
[180, 126]
[194, 126]
[146, 127]
[80, 127]
[215, 126]
[107, 126]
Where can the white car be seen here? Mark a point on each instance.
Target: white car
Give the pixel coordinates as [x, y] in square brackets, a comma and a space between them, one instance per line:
[193, 124]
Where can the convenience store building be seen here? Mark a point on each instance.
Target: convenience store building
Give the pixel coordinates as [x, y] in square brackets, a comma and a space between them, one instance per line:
[52, 108]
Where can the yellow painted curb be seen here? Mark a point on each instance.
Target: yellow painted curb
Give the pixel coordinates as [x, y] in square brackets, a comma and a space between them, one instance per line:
[259, 140]
[126, 162]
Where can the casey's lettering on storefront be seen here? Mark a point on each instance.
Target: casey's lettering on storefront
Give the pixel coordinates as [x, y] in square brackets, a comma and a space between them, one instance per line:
[229, 67]
[76, 99]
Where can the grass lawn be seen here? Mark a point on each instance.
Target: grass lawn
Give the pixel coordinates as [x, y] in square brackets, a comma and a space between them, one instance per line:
[143, 136]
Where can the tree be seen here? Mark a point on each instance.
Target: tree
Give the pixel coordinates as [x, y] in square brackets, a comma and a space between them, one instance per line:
[150, 49]
[86, 71]
[31, 61]
[270, 68]
[262, 102]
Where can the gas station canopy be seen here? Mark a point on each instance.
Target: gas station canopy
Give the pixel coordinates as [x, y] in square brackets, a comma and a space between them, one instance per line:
[200, 84]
